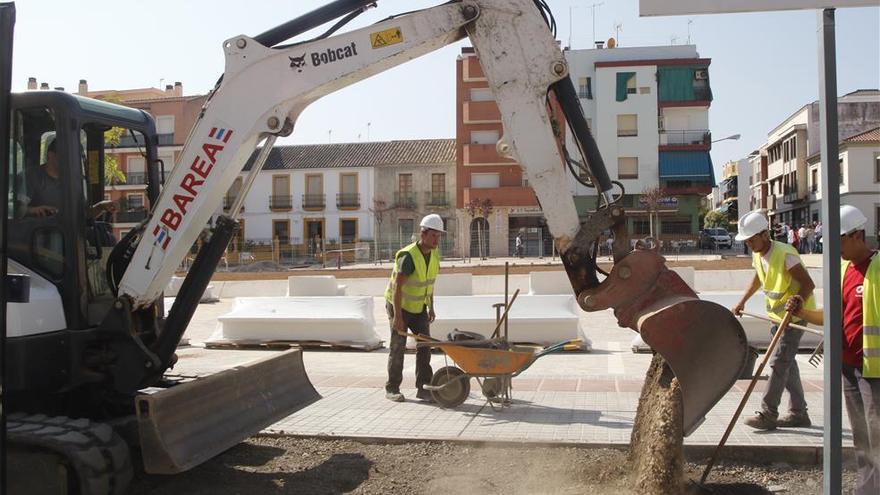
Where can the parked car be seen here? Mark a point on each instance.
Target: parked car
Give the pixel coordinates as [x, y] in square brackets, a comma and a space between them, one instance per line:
[715, 238]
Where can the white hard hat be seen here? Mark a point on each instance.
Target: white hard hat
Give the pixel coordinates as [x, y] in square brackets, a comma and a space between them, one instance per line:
[751, 224]
[851, 219]
[433, 222]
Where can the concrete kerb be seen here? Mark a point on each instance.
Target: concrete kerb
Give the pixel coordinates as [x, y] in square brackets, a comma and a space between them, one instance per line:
[809, 456]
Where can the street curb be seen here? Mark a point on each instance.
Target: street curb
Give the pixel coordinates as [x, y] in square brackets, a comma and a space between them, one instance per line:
[750, 454]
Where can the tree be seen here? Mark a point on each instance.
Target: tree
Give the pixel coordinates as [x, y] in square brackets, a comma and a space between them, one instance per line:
[652, 196]
[715, 219]
[378, 210]
[112, 173]
[479, 208]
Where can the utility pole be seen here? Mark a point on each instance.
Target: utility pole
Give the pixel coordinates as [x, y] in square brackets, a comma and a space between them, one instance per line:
[617, 28]
[368, 131]
[690, 21]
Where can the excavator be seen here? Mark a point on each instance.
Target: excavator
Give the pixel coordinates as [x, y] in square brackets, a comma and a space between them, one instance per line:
[88, 342]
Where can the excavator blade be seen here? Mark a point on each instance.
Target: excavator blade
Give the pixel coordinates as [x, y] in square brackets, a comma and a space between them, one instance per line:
[183, 426]
[705, 346]
[702, 342]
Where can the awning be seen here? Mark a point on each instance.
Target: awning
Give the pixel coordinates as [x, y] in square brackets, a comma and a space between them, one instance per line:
[686, 165]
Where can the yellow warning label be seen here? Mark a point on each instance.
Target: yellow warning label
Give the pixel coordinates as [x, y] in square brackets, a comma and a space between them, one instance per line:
[387, 37]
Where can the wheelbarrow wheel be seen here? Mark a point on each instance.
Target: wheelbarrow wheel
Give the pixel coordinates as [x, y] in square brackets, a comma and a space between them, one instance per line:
[456, 392]
[494, 387]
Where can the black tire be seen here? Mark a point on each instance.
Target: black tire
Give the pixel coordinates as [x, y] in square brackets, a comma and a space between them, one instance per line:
[494, 386]
[97, 458]
[456, 392]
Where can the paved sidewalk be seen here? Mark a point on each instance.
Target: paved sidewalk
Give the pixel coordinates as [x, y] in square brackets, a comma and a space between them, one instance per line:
[576, 398]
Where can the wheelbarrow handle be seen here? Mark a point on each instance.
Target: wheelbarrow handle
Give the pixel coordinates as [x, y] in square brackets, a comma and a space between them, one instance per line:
[790, 325]
[417, 337]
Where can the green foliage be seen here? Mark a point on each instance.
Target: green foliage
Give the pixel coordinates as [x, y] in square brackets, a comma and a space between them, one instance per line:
[716, 219]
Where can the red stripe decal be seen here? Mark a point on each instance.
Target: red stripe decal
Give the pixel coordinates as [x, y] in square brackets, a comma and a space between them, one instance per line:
[227, 136]
[213, 131]
[156, 230]
[165, 244]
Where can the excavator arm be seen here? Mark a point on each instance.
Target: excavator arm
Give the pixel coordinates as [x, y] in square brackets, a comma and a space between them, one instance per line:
[264, 89]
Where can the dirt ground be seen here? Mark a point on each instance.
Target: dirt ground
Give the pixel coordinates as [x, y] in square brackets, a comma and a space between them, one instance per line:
[384, 269]
[287, 465]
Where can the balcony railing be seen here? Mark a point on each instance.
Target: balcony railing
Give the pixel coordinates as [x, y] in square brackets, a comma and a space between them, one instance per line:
[348, 200]
[131, 216]
[127, 141]
[437, 198]
[313, 201]
[791, 195]
[405, 200]
[685, 138]
[283, 202]
[135, 178]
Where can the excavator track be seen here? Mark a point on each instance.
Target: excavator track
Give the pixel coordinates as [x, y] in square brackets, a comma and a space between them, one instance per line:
[96, 458]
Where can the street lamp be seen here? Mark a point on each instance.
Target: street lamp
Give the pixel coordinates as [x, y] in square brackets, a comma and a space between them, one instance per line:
[734, 137]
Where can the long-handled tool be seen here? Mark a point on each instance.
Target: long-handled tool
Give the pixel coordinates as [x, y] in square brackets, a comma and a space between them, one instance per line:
[816, 356]
[782, 328]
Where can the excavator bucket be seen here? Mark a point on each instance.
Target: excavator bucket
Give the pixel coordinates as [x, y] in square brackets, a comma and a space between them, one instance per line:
[701, 341]
[183, 426]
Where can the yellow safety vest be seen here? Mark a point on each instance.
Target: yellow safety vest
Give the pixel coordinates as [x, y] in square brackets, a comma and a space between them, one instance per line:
[870, 317]
[416, 292]
[777, 283]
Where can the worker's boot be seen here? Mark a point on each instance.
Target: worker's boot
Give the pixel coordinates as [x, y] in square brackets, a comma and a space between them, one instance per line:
[394, 396]
[425, 395]
[762, 421]
[794, 420]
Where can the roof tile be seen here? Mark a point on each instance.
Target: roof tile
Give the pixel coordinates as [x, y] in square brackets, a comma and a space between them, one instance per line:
[370, 154]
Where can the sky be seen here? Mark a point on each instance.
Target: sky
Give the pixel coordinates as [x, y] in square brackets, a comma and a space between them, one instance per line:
[764, 65]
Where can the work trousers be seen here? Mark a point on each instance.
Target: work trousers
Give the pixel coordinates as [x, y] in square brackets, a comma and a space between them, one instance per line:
[417, 323]
[785, 375]
[862, 397]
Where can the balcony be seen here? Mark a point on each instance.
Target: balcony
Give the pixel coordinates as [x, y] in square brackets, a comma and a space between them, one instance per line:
[313, 201]
[281, 202]
[480, 112]
[405, 200]
[228, 201]
[502, 196]
[791, 195]
[483, 154]
[350, 201]
[132, 179]
[437, 199]
[697, 139]
[131, 216]
[127, 141]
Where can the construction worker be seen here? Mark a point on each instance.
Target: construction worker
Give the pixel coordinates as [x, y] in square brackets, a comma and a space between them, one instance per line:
[409, 301]
[860, 291]
[781, 274]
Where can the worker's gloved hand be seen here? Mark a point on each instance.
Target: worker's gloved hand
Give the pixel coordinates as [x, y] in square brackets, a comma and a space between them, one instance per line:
[431, 315]
[794, 304]
[42, 211]
[738, 309]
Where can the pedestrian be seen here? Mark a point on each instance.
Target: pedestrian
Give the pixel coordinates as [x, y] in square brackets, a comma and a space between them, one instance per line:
[518, 249]
[409, 302]
[818, 230]
[811, 239]
[791, 236]
[781, 274]
[860, 292]
[802, 239]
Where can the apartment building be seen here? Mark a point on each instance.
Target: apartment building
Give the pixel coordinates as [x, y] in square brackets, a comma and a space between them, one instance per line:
[859, 180]
[309, 199]
[175, 114]
[788, 195]
[648, 108]
[735, 189]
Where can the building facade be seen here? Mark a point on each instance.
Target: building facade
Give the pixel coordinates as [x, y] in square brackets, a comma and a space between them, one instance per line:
[648, 108]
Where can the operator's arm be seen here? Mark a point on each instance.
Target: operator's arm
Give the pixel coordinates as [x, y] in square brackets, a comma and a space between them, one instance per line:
[799, 273]
[795, 304]
[756, 283]
[431, 314]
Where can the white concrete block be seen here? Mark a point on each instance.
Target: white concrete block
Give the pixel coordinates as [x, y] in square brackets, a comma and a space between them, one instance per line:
[253, 288]
[334, 319]
[314, 285]
[453, 284]
[543, 319]
[543, 283]
[494, 284]
[211, 293]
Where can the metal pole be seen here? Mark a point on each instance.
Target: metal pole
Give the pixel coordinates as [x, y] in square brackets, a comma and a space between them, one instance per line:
[832, 455]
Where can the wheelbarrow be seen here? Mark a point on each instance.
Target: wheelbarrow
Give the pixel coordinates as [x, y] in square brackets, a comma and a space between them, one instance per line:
[493, 362]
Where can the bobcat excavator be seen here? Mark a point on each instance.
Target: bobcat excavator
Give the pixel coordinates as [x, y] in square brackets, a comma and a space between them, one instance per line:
[88, 342]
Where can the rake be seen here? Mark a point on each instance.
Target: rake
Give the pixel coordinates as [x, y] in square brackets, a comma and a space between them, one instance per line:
[816, 356]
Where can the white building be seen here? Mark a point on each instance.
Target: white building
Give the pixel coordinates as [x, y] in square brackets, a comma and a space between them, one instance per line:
[860, 180]
[648, 108]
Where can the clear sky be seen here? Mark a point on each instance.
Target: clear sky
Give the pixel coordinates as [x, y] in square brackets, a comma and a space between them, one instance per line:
[764, 65]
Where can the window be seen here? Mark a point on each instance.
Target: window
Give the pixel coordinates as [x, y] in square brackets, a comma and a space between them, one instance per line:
[677, 226]
[626, 85]
[814, 180]
[877, 168]
[641, 227]
[404, 197]
[405, 183]
[485, 181]
[485, 137]
[280, 198]
[348, 183]
[348, 191]
[405, 230]
[314, 196]
[314, 184]
[628, 167]
[281, 231]
[627, 125]
[481, 94]
[840, 167]
[165, 124]
[585, 89]
[348, 230]
[136, 167]
[438, 183]
[645, 90]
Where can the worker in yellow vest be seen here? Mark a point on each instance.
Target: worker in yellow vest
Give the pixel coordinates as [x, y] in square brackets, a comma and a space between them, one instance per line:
[409, 301]
[860, 292]
[780, 273]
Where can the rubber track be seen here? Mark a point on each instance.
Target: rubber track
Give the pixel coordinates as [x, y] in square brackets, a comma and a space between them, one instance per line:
[97, 455]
